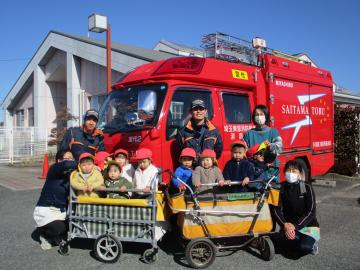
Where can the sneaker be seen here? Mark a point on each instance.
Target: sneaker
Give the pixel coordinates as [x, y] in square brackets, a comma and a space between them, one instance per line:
[315, 250]
[44, 243]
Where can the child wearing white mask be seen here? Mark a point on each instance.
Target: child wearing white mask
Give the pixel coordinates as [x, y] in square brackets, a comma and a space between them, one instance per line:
[296, 212]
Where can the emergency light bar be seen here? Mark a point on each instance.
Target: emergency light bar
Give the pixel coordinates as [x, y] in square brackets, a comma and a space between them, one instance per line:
[181, 65]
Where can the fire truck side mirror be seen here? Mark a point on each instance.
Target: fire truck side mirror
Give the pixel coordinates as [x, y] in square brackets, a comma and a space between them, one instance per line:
[146, 104]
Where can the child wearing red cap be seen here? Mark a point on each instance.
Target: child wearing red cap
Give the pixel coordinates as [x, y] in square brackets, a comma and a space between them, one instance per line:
[127, 170]
[101, 158]
[146, 175]
[184, 171]
[87, 178]
[239, 168]
[208, 171]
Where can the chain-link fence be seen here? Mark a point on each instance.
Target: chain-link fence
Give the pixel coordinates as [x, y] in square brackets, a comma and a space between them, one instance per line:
[22, 144]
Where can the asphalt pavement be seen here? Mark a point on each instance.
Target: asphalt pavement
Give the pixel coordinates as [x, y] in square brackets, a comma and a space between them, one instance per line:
[338, 214]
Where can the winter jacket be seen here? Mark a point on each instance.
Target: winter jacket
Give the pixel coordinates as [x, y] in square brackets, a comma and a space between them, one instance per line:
[206, 176]
[237, 171]
[206, 136]
[121, 181]
[128, 172]
[145, 178]
[295, 207]
[94, 180]
[56, 188]
[185, 174]
[78, 141]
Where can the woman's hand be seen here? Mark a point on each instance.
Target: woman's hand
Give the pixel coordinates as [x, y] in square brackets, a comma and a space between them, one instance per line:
[289, 229]
[122, 188]
[245, 181]
[221, 183]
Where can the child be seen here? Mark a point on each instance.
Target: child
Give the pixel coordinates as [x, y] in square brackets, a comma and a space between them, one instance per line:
[238, 168]
[208, 171]
[184, 171]
[87, 178]
[258, 155]
[115, 180]
[296, 212]
[101, 158]
[127, 170]
[146, 175]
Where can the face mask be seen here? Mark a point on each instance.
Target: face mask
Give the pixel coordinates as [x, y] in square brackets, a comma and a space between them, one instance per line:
[291, 177]
[260, 119]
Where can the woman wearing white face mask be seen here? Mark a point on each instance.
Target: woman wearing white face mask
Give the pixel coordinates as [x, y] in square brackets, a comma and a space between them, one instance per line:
[262, 133]
[296, 212]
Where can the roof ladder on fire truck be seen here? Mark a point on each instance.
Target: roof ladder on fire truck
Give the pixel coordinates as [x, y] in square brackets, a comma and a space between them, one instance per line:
[229, 48]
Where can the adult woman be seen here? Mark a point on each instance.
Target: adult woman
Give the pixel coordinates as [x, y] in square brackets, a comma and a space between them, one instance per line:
[296, 212]
[262, 133]
[50, 210]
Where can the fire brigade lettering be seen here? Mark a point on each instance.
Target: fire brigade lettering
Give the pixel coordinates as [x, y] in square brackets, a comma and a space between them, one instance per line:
[284, 84]
[321, 144]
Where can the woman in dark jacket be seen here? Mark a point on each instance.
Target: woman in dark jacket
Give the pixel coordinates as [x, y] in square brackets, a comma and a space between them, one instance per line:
[50, 210]
[296, 212]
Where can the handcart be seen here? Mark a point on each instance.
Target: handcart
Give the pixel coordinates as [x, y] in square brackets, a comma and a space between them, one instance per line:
[224, 221]
[111, 222]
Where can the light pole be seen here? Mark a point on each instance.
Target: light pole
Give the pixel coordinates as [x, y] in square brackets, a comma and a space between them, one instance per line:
[98, 23]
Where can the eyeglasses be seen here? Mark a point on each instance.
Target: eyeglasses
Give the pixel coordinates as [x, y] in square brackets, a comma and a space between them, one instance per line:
[198, 109]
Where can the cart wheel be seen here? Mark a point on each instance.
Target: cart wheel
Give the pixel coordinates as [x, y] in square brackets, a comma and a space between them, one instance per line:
[64, 248]
[200, 253]
[150, 256]
[266, 248]
[107, 248]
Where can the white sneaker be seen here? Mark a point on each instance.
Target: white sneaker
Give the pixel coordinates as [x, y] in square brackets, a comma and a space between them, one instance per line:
[315, 250]
[44, 243]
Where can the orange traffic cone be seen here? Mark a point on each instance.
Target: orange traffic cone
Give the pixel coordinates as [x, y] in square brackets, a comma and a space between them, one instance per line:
[45, 167]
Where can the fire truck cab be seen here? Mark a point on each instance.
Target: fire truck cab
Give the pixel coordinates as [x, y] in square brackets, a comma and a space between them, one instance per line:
[147, 106]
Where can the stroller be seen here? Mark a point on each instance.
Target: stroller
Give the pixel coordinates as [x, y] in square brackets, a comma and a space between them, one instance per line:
[224, 221]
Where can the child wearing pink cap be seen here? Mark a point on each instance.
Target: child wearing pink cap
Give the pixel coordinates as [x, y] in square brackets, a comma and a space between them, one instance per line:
[146, 175]
[208, 172]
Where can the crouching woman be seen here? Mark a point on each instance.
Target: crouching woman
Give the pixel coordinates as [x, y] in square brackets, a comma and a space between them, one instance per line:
[50, 210]
[296, 213]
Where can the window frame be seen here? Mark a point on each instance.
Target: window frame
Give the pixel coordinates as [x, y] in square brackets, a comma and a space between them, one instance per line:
[228, 92]
[170, 136]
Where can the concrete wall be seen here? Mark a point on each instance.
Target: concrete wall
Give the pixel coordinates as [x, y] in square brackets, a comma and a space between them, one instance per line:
[93, 78]
[26, 102]
[57, 102]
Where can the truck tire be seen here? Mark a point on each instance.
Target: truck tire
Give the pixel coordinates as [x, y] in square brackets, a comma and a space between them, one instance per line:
[306, 170]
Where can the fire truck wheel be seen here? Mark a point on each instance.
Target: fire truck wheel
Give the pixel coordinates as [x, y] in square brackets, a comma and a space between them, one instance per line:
[306, 171]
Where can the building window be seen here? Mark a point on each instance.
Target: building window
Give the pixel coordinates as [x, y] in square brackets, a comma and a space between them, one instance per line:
[97, 101]
[20, 118]
[31, 117]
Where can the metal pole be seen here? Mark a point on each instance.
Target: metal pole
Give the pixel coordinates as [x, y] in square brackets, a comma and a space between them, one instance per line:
[108, 59]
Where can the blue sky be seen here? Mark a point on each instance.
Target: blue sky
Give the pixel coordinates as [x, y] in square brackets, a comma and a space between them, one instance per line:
[328, 31]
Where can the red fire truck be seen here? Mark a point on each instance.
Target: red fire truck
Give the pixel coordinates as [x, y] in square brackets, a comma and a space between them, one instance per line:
[148, 105]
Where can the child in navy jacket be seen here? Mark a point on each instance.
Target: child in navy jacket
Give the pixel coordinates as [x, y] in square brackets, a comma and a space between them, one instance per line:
[239, 168]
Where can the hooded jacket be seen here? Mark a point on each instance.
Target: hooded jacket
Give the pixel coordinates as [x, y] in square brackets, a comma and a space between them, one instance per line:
[94, 180]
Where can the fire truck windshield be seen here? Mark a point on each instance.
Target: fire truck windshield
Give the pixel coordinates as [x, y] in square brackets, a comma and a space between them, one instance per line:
[132, 108]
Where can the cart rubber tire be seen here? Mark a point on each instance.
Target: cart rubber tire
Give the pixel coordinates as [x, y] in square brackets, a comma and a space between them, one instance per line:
[150, 256]
[64, 248]
[266, 248]
[200, 253]
[107, 248]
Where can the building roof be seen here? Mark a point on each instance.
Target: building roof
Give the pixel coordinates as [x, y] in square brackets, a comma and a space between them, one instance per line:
[51, 43]
[181, 47]
[149, 55]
